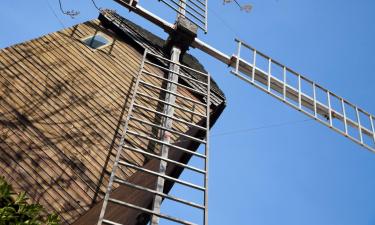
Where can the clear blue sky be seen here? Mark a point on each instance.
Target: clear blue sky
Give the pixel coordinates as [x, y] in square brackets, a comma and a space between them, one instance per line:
[300, 173]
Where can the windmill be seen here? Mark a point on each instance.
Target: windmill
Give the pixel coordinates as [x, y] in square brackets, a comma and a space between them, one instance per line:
[261, 71]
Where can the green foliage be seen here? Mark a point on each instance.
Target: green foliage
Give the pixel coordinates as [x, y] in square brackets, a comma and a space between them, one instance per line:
[14, 209]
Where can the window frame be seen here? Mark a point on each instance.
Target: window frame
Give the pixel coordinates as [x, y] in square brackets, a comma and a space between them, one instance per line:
[110, 41]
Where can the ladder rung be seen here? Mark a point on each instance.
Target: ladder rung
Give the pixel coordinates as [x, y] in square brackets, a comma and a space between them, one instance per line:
[165, 143]
[111, 222]
[196, 11]
[372, 127]
[120, 181]
[187, 13]
[178, 64]
[165, 159]
[203, 3]
[170, 130]
[171, 117]
[337, 115]
[176, 83]
[150, 212]
[359, 125]
[197, 187]
[172, 93]
[179, 74]
[195, 4]
[173, 105]
[344, 114]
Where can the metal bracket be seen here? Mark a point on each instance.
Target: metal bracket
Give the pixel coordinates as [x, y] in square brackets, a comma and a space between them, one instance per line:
[183, 35]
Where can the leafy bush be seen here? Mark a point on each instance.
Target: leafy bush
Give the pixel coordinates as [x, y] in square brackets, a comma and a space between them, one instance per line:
[14, 209]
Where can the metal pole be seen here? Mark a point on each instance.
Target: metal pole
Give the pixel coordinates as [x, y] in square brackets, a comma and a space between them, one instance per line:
[206, 163]
[167, 123]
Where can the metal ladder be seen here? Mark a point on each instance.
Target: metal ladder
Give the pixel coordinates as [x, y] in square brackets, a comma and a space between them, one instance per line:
[304, 95]
[157, 75]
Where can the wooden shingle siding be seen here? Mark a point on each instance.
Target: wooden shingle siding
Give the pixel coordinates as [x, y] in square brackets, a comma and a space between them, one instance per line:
[61, 111]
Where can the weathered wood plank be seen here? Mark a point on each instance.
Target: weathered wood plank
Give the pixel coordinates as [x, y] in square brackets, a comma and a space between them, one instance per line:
[62, 105]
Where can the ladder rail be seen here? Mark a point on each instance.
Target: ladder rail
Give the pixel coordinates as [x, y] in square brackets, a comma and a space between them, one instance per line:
[120, 146]
[207, 147]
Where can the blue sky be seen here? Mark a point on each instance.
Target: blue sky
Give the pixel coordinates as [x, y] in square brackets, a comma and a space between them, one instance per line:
[264, 173]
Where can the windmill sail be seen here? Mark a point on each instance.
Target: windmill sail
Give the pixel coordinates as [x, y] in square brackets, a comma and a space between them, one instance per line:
[304, 95]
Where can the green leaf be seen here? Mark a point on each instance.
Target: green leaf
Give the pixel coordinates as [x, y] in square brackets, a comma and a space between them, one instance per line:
[53, 219]
[21, 199]
[16, 210]
[5, 189]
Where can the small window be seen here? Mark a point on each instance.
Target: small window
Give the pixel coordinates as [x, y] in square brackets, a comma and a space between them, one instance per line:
[96, 41]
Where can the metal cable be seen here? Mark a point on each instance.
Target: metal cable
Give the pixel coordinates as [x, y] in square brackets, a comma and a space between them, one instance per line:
[55, 14]
[240, 131]
[96, 6]
[71, 13]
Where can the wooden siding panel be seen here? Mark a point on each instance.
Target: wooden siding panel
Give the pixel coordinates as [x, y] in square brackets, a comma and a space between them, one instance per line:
[43, 108]
[61, 111]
